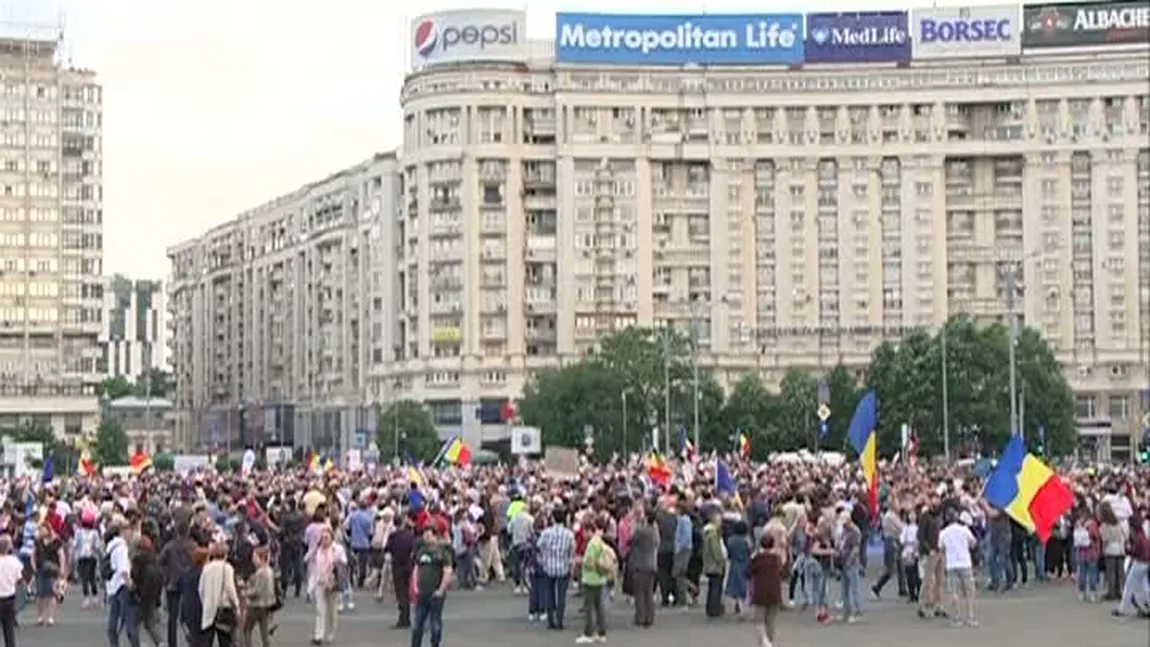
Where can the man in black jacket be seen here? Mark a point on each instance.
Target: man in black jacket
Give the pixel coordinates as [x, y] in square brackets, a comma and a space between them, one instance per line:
[401, 547]
[931, 557]
[175, 559]
[291, 526]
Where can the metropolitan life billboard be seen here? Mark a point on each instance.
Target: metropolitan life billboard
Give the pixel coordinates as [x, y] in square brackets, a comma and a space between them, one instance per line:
[871, 37]
[468, 35]
[1085, 24]
[965, 32]
[634, 39]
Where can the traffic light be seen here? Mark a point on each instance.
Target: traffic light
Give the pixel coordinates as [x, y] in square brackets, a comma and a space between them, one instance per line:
[1144, 448]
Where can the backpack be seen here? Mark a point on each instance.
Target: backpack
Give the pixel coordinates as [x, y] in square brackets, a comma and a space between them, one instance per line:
[107, 571]
[608, 561]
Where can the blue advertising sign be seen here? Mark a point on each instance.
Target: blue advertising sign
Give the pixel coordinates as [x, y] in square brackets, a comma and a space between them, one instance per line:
[869, 37]
[736, 39]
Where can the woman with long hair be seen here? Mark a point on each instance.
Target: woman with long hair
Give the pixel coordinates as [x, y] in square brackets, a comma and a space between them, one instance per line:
[219, 598]
[325, 563]
[147, 586]
[48, 564]
[88, 546]
[1113, 535]
[191, 606]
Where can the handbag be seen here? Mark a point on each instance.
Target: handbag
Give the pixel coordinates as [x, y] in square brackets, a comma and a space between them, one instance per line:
[225, 619]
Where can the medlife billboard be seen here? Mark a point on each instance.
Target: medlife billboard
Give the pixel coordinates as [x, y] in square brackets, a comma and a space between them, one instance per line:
[468, 35]
[965, 32]
[711, 39]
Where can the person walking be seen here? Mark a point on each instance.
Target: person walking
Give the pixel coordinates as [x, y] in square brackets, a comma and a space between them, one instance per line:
[87, 548]
[220, 601]
[48, 567]
[556, 554]
[261, 592]
[324, 563]
[117, 587]
[643, 562]
[714, 565]
[957, 543]
[597, 571]
[175, 559]
[766, 575]
[11, 579]
[432, 577]
[400, 548]
[147, 588]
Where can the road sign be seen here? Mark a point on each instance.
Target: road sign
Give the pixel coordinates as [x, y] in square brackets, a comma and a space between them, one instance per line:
[824, 412]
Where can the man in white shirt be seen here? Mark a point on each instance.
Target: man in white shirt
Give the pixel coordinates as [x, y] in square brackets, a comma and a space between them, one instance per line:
[956, 543]
[121, 609]
[11, 577]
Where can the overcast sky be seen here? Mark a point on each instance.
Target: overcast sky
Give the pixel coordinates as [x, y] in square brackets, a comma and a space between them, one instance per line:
[212, 107]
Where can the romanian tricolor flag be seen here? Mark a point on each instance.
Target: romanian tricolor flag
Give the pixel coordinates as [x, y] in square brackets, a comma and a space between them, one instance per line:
[744, 444]
[311, 461]
[140, 462]
[657, 469]
[1026, 489]
[456, 452]
[687, 448]
[863, 438]
[85, 466]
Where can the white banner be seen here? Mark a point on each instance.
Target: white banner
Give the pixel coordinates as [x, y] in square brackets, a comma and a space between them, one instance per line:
[966, 32]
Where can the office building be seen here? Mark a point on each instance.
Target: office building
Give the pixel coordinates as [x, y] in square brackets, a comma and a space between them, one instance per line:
[51, 236]
[134, 335]
[279, 319]
[791, 215]
[797, 217]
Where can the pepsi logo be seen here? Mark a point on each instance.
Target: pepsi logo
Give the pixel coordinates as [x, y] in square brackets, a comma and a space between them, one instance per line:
[426, 37]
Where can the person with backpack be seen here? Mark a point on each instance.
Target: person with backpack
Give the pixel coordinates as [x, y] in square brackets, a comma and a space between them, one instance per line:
[600, 564]
[175, 560]
[115, 571]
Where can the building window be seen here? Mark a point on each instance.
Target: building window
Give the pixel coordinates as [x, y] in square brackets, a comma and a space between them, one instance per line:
[1119, 407]
[1084, 407]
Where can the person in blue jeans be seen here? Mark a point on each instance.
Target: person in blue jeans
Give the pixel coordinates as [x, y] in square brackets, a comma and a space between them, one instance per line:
[433, 570]
[122, 609]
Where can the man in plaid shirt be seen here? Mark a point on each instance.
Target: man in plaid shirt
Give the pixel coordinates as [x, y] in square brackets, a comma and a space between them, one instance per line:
[556, 555]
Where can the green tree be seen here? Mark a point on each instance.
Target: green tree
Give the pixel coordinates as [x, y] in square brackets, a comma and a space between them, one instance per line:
[417, 435]
[114, 388]
[844, 393]
[795, 427]
[111, 446]
[164, 462]
[562, 402]
[33, 432]
[908, 381]
[754, 409]
[160, 381]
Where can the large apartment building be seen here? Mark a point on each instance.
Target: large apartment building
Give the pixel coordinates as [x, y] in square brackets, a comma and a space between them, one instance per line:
[794, 218]
[278, 317]
[134, 334]
[51, 237]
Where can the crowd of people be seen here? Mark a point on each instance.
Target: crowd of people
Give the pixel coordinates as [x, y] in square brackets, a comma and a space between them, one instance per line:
[208, 559]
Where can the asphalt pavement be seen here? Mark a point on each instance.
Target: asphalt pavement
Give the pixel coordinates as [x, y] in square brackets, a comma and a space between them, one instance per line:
[1044, 615]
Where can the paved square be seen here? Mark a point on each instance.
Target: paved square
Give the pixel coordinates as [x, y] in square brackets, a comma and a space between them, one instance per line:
[1043, 616]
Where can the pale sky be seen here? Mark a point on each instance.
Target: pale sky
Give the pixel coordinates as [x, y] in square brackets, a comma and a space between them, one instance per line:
[212, 107]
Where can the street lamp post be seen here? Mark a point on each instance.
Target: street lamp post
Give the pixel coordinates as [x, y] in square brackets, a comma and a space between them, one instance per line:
[945, 397]
[667, 388]
[1010, 270]
[623, 395]
[697, 307]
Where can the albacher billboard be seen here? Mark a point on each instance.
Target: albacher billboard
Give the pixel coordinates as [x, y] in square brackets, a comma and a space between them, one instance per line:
[1085, 24]
[468, 35]
[869, 37]
[965, 32]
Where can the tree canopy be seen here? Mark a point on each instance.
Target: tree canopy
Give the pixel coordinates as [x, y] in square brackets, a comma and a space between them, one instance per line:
[417, 436]
[618, 393]
[111, 446]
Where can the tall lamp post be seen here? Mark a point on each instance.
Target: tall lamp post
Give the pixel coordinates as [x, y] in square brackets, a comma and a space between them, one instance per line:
[698, 308]
[945, 396]
[1011, 270]
[667, 389]
[623, 396]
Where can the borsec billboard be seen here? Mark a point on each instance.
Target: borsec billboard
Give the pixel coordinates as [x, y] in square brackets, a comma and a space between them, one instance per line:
[1085, 24]
[965, 32]
[869, 37]
[468, 35]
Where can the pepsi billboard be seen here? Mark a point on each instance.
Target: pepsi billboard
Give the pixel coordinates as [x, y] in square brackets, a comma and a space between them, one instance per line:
[868, 37]
[992, 31]
[468, 35]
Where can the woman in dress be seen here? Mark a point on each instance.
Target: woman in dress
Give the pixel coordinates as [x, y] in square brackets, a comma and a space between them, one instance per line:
[738, 565]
